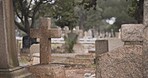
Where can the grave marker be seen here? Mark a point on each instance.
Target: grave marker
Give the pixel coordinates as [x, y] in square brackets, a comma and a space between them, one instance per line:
[45, 33]
[9, 66]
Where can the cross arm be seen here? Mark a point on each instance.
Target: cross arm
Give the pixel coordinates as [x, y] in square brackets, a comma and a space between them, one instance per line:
[35, 33]
[55, 33]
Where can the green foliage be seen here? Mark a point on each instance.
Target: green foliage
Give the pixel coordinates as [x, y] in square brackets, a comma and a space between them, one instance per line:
[115, 8]
[132, 8]
[135, 9]
[70, 41]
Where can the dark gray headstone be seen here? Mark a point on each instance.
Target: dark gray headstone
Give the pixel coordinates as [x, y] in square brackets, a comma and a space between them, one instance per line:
[101, 46]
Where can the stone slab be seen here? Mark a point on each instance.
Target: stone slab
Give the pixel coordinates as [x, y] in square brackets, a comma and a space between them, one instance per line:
[132, 32]
[101, 46]
[48, 71]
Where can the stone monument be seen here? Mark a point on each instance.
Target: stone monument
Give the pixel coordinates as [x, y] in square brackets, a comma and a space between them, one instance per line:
[45, 69]
[45, 33]
[9, 66]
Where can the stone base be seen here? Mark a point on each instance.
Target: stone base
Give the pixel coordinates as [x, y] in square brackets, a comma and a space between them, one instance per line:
[48, 71]
[17, 72]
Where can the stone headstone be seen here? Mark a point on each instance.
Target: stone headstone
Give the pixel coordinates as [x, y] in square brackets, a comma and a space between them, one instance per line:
[101, 46]
[85, 34]
[119, 34]
[112, 33]
[81, 34]
[132, 32]
[66, 30]
[9, 66]
[45, 33]
[89, 34]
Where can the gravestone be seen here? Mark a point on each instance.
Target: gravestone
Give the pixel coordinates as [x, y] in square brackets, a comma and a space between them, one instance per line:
[125, 61]
[45, 69]
[119, 34]
[45, 33]
[66, 30]
[112, 33]
[9, 66]
[89, 34]
[101, 47]
[85, 35]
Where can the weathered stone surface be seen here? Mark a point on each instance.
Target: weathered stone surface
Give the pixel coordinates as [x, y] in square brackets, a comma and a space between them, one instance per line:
[8, 52]
[47, 71]
[145, 42]
[45, 34]
[124, 62]
[145, 12]
[132, 32]
[16, 72]
[9, 66]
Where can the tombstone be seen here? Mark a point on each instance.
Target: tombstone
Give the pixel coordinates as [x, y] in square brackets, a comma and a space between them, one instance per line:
[107, 34]
[119, 34]
[125, 61]
[66, 30]
[112, 33]
[9, 66]
[85, 35]
[89, 34]
[81, 34]
[101, 47]
[96, 34]
[45, 69]
[45, 33]
[77, 30]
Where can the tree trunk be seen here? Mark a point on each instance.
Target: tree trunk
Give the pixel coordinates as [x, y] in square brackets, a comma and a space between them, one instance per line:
[139, 12]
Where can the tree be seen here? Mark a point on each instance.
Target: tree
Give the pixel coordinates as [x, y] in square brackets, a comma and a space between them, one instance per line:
[26, 13]
[136, 10]
[117, 9]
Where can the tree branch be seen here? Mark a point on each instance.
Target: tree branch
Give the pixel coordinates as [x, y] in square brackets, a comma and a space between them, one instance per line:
[19, 26]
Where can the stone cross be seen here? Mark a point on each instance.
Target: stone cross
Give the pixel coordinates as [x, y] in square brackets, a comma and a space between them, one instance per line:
[45, 33]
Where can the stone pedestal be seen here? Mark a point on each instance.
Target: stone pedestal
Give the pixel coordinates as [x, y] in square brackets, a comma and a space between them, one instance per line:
[17, 72]
[9, 66]
[47, 71]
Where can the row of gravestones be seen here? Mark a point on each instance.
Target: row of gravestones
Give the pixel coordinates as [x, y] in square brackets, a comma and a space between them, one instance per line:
[28, 41]
[91, 33]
